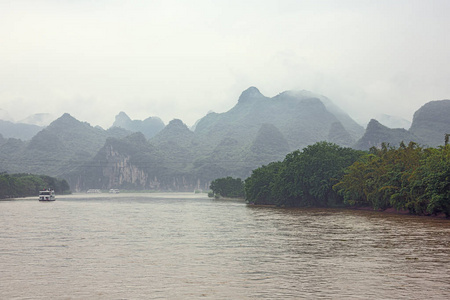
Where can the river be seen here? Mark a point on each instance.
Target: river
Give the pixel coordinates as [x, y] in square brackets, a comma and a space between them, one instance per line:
[186, 246]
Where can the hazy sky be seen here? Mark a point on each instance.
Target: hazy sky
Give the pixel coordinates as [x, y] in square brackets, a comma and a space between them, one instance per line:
[181, 59]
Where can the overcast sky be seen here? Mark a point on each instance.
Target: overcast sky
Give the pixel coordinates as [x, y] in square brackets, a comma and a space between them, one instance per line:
[181, 59]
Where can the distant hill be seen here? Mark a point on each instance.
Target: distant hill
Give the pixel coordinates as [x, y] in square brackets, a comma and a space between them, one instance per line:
[129, 162]
[176, 131]
[133, 162]
[268, 146]
[429, 126]
[10, 150]
[170, 160]
[18, 130]
[56, 149]
[431, 122]
[176, 147]
[256, 131]
[269, 141]
[149, 127]
[376, 134]
[302, 118]
[354, 129]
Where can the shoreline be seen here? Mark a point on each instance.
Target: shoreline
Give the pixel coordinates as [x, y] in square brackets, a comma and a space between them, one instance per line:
[228, 199]
[394, 211]
[390, 210]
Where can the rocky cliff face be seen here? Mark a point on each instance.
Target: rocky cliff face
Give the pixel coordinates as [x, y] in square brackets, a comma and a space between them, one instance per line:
[120, 172]
[134, 163]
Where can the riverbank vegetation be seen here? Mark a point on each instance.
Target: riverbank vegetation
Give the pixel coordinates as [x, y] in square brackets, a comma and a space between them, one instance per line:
[406, 178]
[227, 187]
[409, 177]
[304, 178]
[25, 185]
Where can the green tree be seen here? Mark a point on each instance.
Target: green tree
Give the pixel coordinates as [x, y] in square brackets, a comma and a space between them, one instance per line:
[409, 177]
[304, 178]
[228, 187]
[433, 180]
[260, 186]
[24, 185]
[352, 186]
[308, 176]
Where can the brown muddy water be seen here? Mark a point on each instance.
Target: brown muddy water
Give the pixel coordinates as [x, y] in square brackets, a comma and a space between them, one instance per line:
[186, 246]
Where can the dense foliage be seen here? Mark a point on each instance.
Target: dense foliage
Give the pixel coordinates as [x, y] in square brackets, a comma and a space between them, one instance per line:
[228, 187]
[405, 178]
[408, 178]
[304, 178]
[24, 185]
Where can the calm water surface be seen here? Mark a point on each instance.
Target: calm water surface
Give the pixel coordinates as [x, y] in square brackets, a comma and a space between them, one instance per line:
[185, 246]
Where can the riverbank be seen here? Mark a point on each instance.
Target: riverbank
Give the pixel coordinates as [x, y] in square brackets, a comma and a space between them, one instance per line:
[229, 199]
[363, 208]
[392, 210]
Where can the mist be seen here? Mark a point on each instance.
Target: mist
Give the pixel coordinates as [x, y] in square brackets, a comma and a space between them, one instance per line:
[181, 59]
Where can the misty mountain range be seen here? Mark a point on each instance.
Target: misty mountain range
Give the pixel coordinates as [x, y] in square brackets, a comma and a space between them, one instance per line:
[147, 154]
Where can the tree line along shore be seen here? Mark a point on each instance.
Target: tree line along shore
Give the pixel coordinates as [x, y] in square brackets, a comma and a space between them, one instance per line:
[27, 185]
[405, 178]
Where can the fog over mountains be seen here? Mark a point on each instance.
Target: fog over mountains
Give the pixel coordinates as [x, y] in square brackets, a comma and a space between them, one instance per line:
[149, 127]
[148, 154]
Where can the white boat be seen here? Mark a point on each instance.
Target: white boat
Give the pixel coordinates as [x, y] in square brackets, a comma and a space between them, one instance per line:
[114, 191]
[47, 195]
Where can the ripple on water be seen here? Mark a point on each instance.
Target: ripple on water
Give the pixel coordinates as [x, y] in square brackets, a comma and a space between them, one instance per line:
[153, 246]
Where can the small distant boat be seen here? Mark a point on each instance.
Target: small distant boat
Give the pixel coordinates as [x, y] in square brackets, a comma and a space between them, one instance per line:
[114, 191]
[47, 195]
